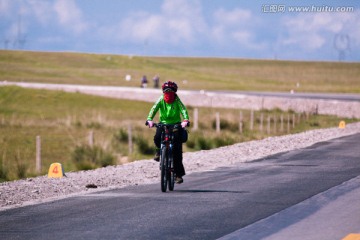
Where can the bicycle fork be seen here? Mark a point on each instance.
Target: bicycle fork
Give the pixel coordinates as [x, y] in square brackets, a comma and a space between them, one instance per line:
[168, 147]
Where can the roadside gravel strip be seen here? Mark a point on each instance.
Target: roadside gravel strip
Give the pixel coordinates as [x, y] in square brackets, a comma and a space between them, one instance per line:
[43, 189]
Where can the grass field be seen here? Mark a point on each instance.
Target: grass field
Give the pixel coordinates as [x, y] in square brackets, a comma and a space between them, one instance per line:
[199, 73]
[64, 120]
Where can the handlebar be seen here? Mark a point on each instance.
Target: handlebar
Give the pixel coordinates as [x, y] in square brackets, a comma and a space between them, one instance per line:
[162, 124]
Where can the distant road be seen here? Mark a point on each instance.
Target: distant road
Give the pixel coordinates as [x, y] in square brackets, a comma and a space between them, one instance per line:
[344, 105]
[324, 96]
[74, 87]
[229, 202]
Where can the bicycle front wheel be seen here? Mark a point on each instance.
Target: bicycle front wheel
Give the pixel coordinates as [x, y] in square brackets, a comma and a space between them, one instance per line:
[164, 169]
[171, 173]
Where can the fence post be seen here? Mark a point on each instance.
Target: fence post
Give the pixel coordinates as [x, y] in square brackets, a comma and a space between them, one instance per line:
[268, 124]
[281, 123]
[261, 122]
[288, 123]
[293, 120]
[275, 120]
[217, 122]
[241, 122]
[3, 160]
[252, 120]
[91, 138]
[38, 154]
[196, 119]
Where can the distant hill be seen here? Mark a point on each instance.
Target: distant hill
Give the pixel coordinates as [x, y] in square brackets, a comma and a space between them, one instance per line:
[189, 73]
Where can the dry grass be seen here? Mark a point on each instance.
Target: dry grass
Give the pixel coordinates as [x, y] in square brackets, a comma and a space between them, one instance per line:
[200, 73]
[64, 120]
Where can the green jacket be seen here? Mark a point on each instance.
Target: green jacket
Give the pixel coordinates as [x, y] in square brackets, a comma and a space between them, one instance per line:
[169, 112]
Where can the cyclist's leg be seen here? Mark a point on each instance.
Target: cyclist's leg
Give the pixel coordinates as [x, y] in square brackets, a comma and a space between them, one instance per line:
[177, 155]
[157, 137]
[157, 142]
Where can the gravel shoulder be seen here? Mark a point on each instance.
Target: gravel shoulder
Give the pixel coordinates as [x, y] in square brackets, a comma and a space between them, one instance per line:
[43, 189]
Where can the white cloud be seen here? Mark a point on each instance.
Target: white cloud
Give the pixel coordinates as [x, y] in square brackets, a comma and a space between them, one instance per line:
[42, 10]
[70, 16]
[29, 14]
[180, 21]
[351, 27]
[181, 8]
[140, 26]
[312, 31]
[242, 36]
[234, 17]
[4, 7]
[236, 26]
[12, 13]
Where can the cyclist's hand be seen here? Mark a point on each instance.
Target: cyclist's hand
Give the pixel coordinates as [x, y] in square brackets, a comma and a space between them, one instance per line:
[185, 123]
[150, 123]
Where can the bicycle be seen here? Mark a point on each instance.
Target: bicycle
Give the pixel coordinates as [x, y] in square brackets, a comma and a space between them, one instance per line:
[167, 179]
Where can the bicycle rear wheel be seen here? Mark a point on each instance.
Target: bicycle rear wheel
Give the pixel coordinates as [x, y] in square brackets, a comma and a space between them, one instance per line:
[164, 170]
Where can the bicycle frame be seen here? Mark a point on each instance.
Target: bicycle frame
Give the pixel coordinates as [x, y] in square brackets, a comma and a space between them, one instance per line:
[166, 155]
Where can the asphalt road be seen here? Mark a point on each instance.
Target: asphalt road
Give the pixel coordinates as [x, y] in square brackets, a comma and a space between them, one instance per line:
[208, 205]
[323, 96]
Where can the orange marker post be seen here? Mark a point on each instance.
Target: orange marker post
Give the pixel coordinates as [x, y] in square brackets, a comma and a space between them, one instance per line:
[342, 124]
[352, 236]
[56, 171]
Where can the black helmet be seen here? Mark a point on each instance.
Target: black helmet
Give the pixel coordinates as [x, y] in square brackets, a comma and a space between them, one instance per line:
[169, 85]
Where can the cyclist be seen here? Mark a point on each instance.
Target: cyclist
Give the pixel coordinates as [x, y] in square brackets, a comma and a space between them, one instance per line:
[171, 108]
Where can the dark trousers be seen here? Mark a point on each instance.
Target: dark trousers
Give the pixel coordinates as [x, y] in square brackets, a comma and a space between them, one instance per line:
[177, 150]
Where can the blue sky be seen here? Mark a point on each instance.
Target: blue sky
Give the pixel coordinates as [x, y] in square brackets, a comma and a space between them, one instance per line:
[316, 30]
